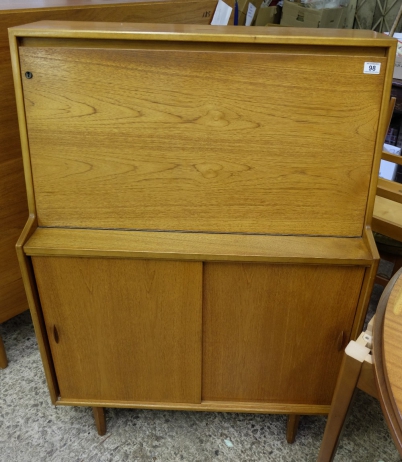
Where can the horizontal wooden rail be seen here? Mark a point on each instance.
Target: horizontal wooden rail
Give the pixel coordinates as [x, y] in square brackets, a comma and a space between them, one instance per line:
[387, 218]
[390, 190]
[198, 246]
[391, 158]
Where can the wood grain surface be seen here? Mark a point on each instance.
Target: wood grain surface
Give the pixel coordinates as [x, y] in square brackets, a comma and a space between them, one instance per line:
[392, 347]
[386, 356]
[123, 329]
[198, 246]
[271, 333]
[219, 144]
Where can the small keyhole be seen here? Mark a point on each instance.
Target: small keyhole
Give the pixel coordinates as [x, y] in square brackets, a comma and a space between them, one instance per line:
[28, 75]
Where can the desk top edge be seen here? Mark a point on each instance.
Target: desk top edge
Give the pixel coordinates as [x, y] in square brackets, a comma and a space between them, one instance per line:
[197, 246]
[201, 33]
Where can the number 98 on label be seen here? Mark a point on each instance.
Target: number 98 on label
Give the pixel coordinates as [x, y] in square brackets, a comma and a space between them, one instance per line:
[372, 68]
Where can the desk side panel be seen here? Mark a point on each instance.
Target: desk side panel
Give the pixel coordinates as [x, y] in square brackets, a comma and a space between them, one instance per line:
[13, 215]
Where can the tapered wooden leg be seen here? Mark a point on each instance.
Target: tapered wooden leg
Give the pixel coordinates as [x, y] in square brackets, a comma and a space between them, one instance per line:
[292, 426]
[3, 356]
[100, 421]
[344, 390]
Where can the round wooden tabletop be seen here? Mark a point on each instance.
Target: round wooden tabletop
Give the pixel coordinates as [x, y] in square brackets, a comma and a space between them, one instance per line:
[392, 344]
[388, 356]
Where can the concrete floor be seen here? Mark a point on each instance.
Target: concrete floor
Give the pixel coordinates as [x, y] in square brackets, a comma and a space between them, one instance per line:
[31, 429]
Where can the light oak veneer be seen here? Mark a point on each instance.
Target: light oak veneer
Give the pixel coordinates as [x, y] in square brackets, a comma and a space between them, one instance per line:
[201, 202]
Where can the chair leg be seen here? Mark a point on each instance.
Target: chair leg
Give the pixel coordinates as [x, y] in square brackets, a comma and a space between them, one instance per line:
[292, 426]
[344, 391]
[100, 420]
[3, 356]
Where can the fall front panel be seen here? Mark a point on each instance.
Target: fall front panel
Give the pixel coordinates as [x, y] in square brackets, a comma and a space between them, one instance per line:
[201, 138]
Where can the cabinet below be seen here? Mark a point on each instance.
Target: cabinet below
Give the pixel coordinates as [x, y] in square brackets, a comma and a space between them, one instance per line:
[146, 331]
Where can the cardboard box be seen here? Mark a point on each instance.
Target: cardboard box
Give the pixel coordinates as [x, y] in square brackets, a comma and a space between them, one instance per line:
[398, 58]
[268, 15]
[243, 7]
[398, 68]
[296, 15]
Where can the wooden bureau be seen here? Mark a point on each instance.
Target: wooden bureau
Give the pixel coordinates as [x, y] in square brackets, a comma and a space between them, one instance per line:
[13, 203]
[200, 203]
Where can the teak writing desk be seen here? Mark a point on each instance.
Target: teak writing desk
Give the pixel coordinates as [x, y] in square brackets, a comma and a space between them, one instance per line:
[200, 200]
[13, 203]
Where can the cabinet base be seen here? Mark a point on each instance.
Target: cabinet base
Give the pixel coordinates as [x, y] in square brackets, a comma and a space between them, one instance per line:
[206, 406]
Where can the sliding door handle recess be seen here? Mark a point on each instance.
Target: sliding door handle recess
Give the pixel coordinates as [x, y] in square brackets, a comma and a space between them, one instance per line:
[340, 341]
[55, 334]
